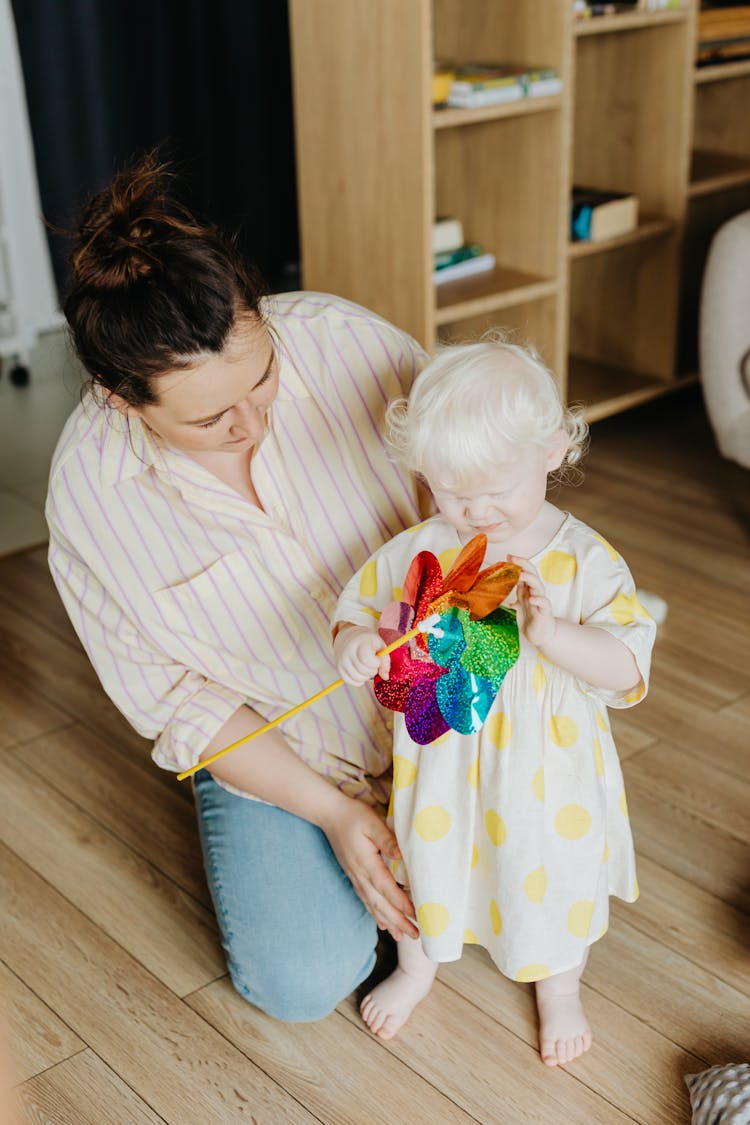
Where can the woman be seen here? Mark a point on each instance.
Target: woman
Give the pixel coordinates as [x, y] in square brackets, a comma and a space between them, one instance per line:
[222, 478]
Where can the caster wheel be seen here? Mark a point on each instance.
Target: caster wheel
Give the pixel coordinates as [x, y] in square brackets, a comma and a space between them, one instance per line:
[19, 375]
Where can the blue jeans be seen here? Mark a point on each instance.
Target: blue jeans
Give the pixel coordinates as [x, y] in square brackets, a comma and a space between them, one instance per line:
[296, 935]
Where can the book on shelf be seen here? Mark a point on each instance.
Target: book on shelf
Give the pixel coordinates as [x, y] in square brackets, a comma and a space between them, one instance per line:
[597, 215]
[723, 34]
[584, 9]
[464, 262]
[447, 234]
[481, 84]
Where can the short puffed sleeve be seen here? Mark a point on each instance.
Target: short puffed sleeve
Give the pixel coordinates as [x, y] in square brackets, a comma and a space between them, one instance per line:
[610, 601]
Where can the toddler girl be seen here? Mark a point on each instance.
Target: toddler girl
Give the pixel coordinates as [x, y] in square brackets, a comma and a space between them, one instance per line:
[515, 836]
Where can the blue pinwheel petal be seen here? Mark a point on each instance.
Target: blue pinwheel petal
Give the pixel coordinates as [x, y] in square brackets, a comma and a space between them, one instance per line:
[464, 699]
[448, 642]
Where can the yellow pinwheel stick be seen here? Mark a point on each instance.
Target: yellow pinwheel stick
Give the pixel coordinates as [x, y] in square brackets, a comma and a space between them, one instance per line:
[424, 626]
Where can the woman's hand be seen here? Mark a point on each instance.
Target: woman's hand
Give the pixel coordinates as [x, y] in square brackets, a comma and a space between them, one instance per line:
[358, 836]
[533, 608]
[355, 651]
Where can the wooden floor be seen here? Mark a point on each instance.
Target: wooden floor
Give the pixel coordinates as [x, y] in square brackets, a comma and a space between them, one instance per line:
[114, 986]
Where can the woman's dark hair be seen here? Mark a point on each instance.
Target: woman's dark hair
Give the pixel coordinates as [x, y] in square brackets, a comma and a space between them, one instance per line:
[151, 285]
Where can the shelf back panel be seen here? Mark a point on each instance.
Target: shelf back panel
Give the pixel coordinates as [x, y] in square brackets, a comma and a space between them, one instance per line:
[632, 115]
[502, 179]
[529, 32]
[623, 307]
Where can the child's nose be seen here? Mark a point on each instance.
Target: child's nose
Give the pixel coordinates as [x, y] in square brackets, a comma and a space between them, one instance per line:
[477, 507]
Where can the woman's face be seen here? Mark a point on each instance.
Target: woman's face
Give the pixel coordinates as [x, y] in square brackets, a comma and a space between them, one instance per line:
[218, 404]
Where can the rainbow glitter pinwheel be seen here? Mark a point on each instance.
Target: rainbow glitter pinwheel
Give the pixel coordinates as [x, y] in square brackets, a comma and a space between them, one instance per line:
[447, 678]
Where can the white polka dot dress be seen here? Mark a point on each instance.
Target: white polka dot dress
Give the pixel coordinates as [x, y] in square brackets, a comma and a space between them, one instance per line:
[514, 838]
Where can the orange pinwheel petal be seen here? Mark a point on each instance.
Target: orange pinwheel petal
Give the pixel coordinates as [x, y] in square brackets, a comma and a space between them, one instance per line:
[466, 567]
[490, 589]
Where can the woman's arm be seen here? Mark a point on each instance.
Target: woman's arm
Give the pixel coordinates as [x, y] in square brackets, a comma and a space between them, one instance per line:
[190, 717]
[268, 768]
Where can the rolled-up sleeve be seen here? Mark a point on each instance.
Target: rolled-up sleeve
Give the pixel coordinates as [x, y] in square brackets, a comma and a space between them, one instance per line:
[613, 606]
[177, 707]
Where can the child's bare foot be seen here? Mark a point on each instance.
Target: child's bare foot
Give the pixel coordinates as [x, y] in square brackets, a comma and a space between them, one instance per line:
[387, 1008]
[564, 1031]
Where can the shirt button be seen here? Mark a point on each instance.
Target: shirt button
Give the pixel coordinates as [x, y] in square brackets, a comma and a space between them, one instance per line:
[316, 593]
[389, 724]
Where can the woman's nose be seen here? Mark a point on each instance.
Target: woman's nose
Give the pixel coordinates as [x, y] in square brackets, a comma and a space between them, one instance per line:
[249, 418]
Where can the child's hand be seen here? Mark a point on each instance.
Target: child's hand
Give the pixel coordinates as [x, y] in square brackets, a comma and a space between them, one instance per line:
[354, 651]
[533, 608]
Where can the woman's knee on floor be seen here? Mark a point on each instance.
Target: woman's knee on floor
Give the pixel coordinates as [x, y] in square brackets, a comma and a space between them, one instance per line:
[302, 989]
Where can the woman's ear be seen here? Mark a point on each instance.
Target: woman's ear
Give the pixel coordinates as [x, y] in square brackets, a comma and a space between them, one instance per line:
[557, 451]
[117, 402]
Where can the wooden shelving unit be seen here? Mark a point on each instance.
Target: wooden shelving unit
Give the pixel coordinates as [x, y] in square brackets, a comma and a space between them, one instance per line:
[376, 163]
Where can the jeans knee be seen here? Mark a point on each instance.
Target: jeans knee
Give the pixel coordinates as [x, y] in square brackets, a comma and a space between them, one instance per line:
[301, 996]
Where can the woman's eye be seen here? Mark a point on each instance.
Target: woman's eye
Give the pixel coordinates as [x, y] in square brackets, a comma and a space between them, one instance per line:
[211, 422]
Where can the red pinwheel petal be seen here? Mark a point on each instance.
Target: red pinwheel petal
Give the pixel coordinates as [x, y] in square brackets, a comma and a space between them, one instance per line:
[424, 581]
[391, 693]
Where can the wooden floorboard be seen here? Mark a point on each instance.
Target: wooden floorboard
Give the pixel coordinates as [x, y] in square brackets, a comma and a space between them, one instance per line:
[113, 984]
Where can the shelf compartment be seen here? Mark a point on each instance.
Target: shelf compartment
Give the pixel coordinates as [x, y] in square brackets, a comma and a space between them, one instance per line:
[717, 171]
[452, 118]
[649, 226]
[606, 390]
[499, 288]
[502, 178]
[535, 322]
[625, 21]
[622, 314]
[720, 72]
[630, 129]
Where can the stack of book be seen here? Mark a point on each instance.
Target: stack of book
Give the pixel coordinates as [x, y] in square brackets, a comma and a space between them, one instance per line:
[453, 257]
[490, 83]
[598, 215]
[583, 9]
[723, 33]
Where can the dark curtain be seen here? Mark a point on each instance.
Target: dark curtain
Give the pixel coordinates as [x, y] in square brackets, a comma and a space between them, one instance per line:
[209, 80]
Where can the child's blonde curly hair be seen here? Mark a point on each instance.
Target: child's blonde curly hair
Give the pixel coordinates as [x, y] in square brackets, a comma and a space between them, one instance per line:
[470, 401]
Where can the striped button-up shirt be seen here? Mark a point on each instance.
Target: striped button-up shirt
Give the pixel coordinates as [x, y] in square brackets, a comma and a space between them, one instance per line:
[190, 601]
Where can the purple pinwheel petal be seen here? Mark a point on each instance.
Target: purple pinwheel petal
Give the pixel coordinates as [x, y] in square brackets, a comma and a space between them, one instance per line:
[424, 721]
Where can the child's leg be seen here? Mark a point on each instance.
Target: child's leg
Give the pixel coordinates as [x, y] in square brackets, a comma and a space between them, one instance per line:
[387, 1008]
[564, 1032]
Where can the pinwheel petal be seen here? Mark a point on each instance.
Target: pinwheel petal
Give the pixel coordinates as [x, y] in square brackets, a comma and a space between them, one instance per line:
[424, 581]
[466, 567]
[424, 720]
[492, 646]
[447, 642]
[464, 700]
[395, 620]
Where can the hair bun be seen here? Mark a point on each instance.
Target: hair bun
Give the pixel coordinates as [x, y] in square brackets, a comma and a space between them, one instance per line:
[121, 228]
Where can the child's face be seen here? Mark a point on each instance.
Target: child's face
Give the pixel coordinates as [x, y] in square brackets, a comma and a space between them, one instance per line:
[506, 501]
